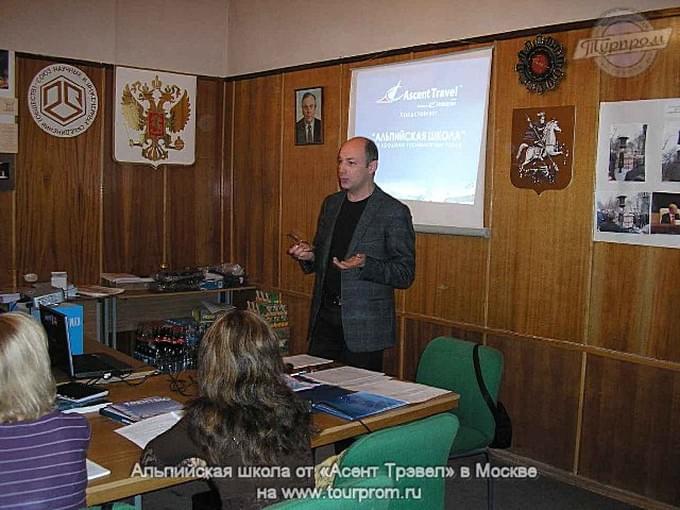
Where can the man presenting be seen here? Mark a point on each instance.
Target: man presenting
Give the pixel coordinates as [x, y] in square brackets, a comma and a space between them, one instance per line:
[308, 128]
[364, 248]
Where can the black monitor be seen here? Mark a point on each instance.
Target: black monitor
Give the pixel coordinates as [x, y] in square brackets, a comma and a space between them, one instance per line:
[56, 327]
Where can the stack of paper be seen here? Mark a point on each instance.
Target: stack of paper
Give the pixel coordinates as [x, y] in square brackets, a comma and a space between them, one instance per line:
[300, 361]
[126, 281]
[136, 410]
[344, 375]
[358, 379]
[142, 432]
[97, 291]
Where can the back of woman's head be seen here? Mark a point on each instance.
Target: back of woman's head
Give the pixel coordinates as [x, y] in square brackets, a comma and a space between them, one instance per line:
[238, 352]
[27, 388]
[244, 401]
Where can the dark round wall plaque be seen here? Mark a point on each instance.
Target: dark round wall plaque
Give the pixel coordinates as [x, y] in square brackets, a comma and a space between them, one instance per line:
[541, 64]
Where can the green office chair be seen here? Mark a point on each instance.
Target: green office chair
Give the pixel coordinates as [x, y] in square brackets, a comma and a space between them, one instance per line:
[447, 363]
[357, 498]
[425, 442]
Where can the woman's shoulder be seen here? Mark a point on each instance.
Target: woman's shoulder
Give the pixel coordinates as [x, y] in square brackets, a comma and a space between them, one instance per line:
[51, 421]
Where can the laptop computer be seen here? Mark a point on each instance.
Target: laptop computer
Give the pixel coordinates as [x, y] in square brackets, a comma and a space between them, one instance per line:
[80, 366]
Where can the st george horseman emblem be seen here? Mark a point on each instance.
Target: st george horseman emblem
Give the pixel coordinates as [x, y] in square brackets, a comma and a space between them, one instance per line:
[542, 142]
[154, 118]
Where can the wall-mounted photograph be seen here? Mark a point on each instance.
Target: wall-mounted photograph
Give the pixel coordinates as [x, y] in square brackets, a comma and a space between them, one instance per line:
[6, 73]
[627, 152]
[7, 172]
[623, 213]
[670, 151]
[309, 116]
[665, 213]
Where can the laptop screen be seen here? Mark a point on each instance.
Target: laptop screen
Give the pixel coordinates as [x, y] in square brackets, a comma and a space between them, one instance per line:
[56, 326]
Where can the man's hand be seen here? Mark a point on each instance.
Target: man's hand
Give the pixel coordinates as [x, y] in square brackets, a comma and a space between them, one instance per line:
[358, 260]
[302, 250]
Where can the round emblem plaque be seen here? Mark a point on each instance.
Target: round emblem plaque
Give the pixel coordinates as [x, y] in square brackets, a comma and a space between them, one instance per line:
[541, 64]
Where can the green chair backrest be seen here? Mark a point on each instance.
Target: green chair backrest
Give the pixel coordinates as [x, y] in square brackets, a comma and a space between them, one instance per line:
[447, 363]
[362, 494]
[418, 444]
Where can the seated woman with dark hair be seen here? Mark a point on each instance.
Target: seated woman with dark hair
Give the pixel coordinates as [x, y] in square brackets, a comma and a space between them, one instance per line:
[245, 416]
[42, 451]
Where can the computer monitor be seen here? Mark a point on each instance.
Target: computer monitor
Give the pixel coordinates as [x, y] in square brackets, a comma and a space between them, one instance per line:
[56, 327]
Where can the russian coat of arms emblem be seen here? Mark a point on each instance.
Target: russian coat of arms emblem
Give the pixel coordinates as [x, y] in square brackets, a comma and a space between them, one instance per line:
[154, 118]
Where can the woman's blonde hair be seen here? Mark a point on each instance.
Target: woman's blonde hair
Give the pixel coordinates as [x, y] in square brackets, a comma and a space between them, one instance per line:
[27, 387]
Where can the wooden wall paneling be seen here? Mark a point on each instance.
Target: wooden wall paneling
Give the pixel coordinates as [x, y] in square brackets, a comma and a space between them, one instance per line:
[392, 356]
[421, 297]
[541, 244]
[58, 189]
[460, 288]
[456, 289]
[660, 80]
[621, 305]
[631, 428]
[450, 278]
[540, 390]
[257, 153]
[133, 207]
[664, 323]
[308, 171]
[7, 229]
[634, 288]
[194, 201]
[227, 173]
[419, 332]
[298, 320]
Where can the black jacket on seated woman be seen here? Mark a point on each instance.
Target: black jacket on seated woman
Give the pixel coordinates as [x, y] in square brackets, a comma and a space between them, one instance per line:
[247, 427]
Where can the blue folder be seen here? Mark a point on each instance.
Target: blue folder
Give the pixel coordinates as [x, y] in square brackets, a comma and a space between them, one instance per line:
[358, 405]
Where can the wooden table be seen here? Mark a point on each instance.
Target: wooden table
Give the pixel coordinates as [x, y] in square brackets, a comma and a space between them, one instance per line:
[116, 453]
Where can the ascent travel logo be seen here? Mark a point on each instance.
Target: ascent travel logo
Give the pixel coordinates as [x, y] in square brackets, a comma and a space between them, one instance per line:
[431, 97]
[392, 95]
[62, 100]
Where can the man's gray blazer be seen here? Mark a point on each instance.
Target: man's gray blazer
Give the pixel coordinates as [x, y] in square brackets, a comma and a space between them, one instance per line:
[385, 235]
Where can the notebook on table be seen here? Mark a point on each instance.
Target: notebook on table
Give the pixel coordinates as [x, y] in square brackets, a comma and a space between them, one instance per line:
[80, 393]
[80, 366]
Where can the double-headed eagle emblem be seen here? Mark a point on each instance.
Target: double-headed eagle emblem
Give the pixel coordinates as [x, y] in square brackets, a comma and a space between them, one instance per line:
[156, 113]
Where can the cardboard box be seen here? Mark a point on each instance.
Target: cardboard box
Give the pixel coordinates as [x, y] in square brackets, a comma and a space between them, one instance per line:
[74, 313]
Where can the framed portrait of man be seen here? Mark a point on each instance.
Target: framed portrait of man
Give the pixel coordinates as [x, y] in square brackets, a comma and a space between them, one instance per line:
[6, 73]
[309, 116]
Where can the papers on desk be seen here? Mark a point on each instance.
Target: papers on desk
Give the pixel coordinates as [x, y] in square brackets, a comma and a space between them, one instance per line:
[358, 379]
[298, 384]
[142, 432]
[95, 470]
[305, 361]
[97, 291]
[343, 375]
[401, 390]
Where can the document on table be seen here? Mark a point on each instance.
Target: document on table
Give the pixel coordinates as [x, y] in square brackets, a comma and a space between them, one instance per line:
[142, 432]
[95, 470]
[305, 360]
[402, 390]
[341, 376]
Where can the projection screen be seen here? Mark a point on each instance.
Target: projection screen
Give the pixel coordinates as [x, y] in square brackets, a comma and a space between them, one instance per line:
[428, 118]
